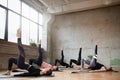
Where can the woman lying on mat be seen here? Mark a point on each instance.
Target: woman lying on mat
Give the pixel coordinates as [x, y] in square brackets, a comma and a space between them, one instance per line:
[20, 62]
[94, 66]
[61, 61]
[78, 61]
[39, 61]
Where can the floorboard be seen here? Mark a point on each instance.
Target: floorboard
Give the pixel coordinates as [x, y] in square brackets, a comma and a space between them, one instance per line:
[67, 75]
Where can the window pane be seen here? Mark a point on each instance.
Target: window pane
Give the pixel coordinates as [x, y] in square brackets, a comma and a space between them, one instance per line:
[14, 5]
[25, 31]
[33, 32]
[40, 19]
[2, 22]
[40, 32]
[33, 15]
[25, 10]
[13, 25]
[3, 2]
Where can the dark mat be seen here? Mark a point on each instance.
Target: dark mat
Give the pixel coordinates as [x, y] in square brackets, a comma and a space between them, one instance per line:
[52, 75]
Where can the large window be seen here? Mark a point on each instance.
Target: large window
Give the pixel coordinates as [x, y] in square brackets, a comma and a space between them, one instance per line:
[40, 32]
[13, 25]
[33, 15]
[14, 5]
[33, 32]
[25, 10]
[40, 19]
[25, 31]
[17, 14]
[40, 26]
[2, 22]
[3, 2]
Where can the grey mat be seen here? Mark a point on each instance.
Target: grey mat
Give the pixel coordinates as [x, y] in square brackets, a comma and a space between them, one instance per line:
[80, 71]
[87, 71]
[67, 69]
[19, 70]
[8, 76]
[5, 76]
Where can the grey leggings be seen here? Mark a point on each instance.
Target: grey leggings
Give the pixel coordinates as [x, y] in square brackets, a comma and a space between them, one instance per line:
[92, 63]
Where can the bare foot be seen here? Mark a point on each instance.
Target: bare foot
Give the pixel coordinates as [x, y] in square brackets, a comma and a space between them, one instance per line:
[97, 42]
[7, 73]
[18, 34]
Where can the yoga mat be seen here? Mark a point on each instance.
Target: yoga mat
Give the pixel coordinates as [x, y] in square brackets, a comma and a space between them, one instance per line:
[23, 74]
[19, 70]
[80, 71]
[59, 70]
[8, 76]
[52, 75]
[88, 71]
[5, 76]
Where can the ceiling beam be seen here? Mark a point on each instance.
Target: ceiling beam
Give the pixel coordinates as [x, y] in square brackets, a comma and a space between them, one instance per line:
[80, 6]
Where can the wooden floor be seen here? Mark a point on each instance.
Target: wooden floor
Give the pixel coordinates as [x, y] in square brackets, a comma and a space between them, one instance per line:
[67, 75]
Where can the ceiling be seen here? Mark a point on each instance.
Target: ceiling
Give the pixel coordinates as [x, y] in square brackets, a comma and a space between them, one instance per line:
[67, 6]
[61, 2]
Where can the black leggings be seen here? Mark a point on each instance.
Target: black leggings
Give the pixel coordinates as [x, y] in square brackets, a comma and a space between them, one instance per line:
[61, 62]
[39, 60]
[77, 62]
[96, 48]
[20, 62]
[74, 61]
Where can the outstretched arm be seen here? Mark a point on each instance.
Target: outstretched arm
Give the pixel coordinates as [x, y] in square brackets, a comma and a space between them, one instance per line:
[103, 69]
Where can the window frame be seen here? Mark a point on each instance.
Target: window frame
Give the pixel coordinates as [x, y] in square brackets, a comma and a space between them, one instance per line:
[20, 14]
